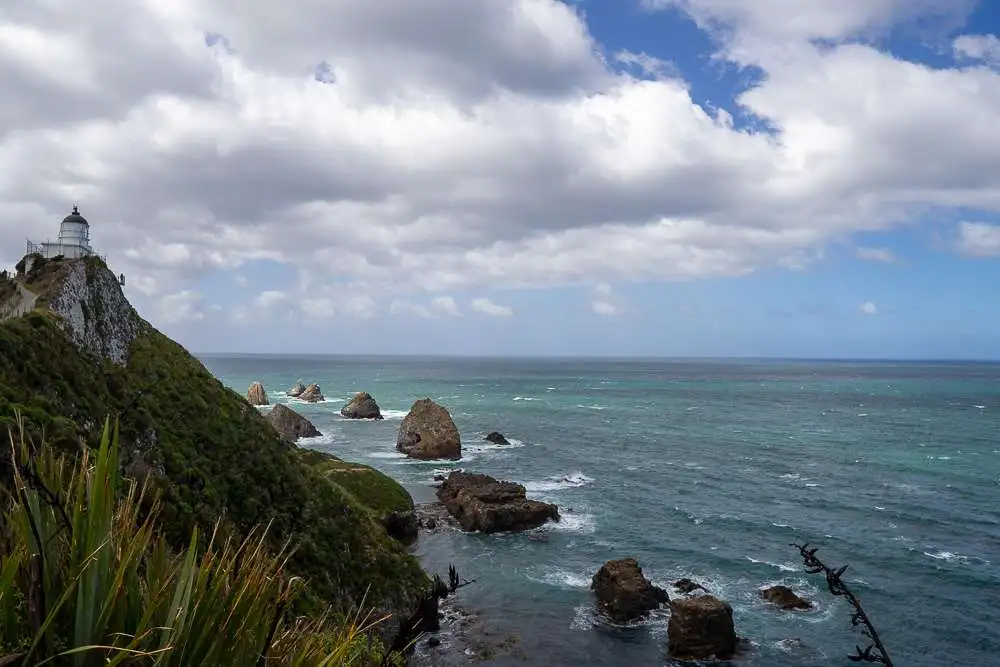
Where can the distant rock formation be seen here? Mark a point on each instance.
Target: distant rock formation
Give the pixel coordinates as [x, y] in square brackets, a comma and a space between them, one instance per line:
[480, 502]
[784, 597]
[290, 425]
[623, 591]
[428, 432]
[361, 406]
[701, 628]
[256, 394]
[297, 389]
[497, 438]
[312, 394]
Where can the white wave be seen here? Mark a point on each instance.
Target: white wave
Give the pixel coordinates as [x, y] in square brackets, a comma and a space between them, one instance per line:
[784, 567]
[394, 414]
[952, 557]
[325, 439]
[526, 398]
[386, 455]
[979, 407]
[862, 414]
[570, 522]
[561, 578]
[594, 407]
[571, 481]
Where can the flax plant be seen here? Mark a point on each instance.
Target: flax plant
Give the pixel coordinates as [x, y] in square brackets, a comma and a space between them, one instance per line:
[87, 579]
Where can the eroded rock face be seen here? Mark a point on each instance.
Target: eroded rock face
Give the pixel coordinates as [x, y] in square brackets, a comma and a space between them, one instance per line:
[402, 526]
[497, 438]
[297, 389]
[311, 394]
[290, 425]
[624, 593]
[701, 628]
[361, 406]
[784, 597]
[428, 432]
[256, 394]
[482, 503]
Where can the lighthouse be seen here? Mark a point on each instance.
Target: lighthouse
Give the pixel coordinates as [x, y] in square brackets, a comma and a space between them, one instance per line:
[73, 241]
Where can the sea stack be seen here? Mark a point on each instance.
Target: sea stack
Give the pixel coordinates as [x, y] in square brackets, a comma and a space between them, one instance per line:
[290, 425]
[701, 628]
[361, 406]
[312, 394]
[256, 394]
[428, 433]
[482, 503]
[297, 389]
[624, 592]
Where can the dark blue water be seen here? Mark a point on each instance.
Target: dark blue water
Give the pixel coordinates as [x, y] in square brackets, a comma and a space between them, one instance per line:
[707, 470]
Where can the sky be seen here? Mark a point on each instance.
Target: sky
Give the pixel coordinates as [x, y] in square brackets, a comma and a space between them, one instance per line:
[708, 178]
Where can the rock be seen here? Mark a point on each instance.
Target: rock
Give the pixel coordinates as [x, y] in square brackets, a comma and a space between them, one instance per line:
[623, 591]
[433, 642]
[402, 525]
[361, 406]
[439, 478]
[700, 628]
[687, 586]
[428, 432]
[496, 437]
[256, 394]
[482, 503]
[312, 394]
[289, 424]
[431, 523]
[784, 597]
[297, 389]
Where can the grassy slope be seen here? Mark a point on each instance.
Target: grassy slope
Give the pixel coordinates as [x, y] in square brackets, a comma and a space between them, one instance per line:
[218, 454]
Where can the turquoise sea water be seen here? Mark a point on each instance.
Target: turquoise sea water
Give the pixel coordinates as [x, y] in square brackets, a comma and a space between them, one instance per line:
[707, 470]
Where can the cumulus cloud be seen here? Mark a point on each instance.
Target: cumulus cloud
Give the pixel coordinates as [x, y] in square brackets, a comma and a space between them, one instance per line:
[180, 308]
[446, 305]
[978, 47]
[604, 301]
[868, 308]
[450, 145]
[876, 255]
[403, 307]
[487, 307]
[979, 239]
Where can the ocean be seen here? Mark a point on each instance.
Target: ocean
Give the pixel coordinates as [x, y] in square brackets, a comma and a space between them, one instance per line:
[700, 469]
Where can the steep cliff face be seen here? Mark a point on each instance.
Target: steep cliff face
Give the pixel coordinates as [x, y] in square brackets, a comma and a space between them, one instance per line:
[84, 354]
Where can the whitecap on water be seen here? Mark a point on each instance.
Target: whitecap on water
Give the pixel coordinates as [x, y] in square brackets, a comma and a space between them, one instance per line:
[386, 455]
[571, 522]
[784, 567]
[393, 414]
[560, 578]
[558, 483]
[526, 398]
[952, 557]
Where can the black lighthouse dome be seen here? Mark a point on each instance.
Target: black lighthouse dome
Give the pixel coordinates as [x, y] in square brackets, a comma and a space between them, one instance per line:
[76, 217]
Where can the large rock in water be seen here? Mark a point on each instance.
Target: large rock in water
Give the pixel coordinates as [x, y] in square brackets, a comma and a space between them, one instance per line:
[256, 394]
[290, 425]
[312, 394]
[428, 432]
[701, 628]
[623, 591]
[482, 503]
[784, 597]
[497, 438]
[361, 406]
[297, 389]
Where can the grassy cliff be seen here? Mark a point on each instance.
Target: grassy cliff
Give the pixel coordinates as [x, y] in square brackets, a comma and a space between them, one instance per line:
[86, 355]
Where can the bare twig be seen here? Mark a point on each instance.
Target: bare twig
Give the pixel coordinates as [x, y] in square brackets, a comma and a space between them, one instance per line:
[875, 652]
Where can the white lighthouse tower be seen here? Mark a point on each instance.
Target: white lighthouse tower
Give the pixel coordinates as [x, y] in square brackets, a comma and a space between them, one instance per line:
[73, 241]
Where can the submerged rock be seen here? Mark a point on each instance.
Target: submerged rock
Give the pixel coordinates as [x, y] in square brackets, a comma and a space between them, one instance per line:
[290, 425]
[312, 394]
[623, 591]
[480, 502]
[700, 628]
[256, 394]
[784, 597]
[687, 586]
[497, 438]
[428, 432]
[361, 406]
[297, 389]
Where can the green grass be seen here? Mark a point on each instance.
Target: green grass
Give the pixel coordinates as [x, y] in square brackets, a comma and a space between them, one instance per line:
[368, 486]
[212, 458]
[87, 579]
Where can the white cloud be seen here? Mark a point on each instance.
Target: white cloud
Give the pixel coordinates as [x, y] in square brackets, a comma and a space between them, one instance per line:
[489, 308]
[403, 307]
[876, 255]
[604, 301]
[868, 308]
[487, 144]
[179, 308]
[979, 239]
[978, 47]
[269, 298]
[446, 305]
